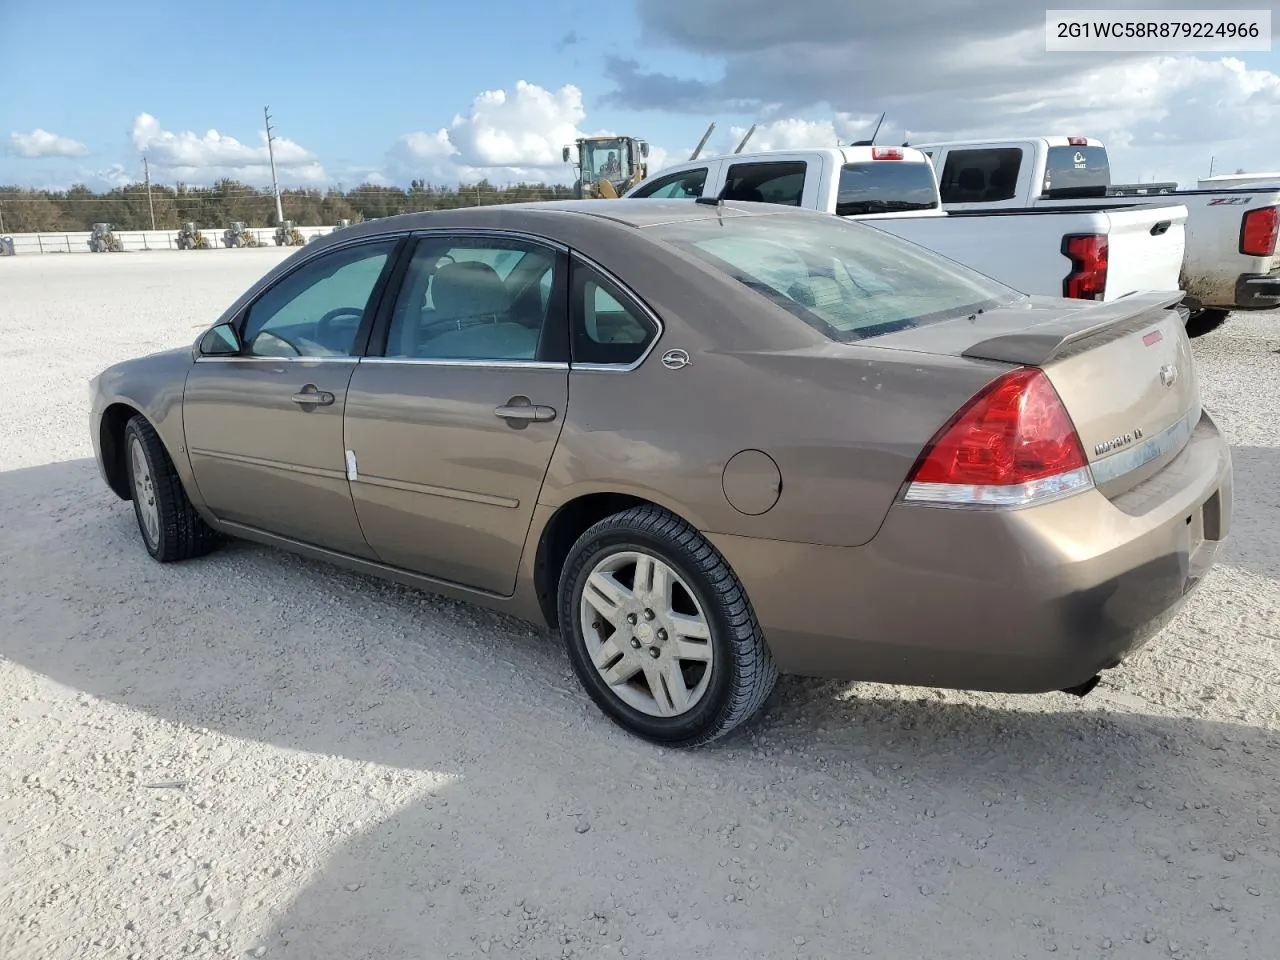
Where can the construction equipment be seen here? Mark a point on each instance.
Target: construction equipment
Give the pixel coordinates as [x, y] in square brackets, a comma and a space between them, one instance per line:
[104, 240]
[189, 238]
[287, 235]
[6, 247]
[607, 166]
[610, 166]
[238, 235]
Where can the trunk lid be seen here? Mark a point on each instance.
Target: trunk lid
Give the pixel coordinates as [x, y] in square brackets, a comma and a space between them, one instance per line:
[1123, 369]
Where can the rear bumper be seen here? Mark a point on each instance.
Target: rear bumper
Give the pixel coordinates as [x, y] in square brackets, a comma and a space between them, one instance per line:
[1020, 601]
[1257, 291]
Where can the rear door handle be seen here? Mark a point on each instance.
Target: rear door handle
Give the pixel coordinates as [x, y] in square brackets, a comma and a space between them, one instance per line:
[311, 397]
[519, 408]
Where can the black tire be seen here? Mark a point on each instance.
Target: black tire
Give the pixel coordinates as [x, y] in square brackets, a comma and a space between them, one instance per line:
[1206, 321]
[182, 534]
[743, 672]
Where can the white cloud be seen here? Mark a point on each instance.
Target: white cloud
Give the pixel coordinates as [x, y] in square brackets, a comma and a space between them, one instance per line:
[204, 158]
[41, 144]
[505, 136]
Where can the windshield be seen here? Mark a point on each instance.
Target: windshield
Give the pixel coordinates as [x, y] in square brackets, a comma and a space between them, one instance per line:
[604, 160]
[883, 186]
[847, 280]
[1077, 170]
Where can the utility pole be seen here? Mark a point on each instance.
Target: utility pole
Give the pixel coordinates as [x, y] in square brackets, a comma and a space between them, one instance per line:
[271, 154]
[151, 206]
[1211, 166]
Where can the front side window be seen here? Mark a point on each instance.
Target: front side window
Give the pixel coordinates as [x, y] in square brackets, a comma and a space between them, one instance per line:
[473, 298]
[686, 184]
[316, 310]
[980, 176]
[847, 280]
[885, 186]
[779, 181]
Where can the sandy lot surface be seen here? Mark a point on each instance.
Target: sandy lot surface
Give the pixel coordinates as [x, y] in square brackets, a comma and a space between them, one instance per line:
[255, 755]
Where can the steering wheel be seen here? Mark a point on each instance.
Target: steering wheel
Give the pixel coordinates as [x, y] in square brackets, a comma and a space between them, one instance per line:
[325, 323]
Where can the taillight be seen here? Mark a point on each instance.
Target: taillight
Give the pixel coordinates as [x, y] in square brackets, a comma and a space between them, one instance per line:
[886, 153]
[1011, 445]
[1088, 255]
[1258, 230]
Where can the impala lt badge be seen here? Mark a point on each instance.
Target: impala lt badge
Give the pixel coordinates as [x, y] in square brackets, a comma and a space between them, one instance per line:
[1169, 374]
[1106, 446]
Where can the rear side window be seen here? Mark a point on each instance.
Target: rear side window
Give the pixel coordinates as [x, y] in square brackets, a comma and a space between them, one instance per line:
[1077, 171]
[845, 279]
[980, 176]
[780, 181]
[885, 186]
[608, 327]
[687, 183]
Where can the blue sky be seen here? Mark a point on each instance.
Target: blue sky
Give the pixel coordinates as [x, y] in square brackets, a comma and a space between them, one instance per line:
[373, 91]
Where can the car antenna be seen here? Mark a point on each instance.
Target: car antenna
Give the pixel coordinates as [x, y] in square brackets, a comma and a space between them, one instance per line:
[871, 142]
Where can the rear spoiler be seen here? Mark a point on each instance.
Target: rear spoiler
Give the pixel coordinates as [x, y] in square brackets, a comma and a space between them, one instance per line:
[1057, 338]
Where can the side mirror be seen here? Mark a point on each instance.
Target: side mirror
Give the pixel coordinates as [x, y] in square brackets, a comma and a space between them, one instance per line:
[565, 153]
[220, 341]
[644, 149]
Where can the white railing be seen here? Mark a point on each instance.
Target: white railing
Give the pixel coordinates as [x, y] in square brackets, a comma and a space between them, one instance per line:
[77, 241]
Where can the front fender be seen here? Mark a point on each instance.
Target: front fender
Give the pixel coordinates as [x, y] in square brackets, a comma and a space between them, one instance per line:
[152, 386]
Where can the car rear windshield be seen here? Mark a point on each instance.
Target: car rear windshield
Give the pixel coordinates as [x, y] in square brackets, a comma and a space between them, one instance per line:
[846, 279]
[1077, 171]
[885, 186]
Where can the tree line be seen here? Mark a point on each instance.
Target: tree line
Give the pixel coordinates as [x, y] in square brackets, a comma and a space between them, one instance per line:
[227, 201]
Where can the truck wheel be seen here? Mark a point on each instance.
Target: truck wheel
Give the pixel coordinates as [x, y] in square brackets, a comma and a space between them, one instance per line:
[1206, 321]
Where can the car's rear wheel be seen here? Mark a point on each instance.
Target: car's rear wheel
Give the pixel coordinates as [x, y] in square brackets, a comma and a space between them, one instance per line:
[170, 527]
[660, 631]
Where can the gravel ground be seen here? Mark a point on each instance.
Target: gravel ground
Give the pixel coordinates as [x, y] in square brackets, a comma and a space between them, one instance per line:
[257, 755]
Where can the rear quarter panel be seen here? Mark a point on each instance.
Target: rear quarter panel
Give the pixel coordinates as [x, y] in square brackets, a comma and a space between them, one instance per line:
[843, 423]
[1213, 259]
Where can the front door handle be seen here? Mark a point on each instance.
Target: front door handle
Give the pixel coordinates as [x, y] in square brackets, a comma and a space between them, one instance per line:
[311, 397]
[520, 408]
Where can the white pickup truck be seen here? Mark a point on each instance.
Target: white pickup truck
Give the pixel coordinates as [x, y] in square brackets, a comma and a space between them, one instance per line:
[1230, 261]
[1086, 251]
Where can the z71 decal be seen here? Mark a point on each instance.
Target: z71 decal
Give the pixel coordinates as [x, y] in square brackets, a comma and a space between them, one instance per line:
[1229, 201]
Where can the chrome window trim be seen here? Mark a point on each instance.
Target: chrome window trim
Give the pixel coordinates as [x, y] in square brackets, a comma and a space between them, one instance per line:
[460, 362]
[647, 310]
[218, 358]
[1174, 437]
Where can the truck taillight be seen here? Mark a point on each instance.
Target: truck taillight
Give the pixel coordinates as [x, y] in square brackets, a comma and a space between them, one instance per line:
[886, 153]
[1258, 229]
[1088, 255]
[1078, 141]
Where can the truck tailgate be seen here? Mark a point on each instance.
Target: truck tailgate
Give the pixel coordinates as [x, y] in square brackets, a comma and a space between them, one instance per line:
[1145, 248]
[1214, 262]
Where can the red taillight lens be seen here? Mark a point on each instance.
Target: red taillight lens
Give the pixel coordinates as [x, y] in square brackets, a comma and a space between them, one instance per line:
[886, 153]
[1088, 254]
[1011, 445]
[1258, 230]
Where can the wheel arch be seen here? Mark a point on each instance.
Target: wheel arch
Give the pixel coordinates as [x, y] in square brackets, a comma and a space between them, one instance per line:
[111, 426]
[563, 529]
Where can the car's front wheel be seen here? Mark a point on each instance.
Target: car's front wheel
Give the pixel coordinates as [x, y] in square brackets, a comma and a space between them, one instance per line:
[170, 527]
[660, 631]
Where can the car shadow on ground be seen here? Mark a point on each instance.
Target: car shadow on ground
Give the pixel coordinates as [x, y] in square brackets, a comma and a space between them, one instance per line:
[844, 813]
